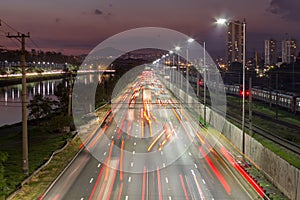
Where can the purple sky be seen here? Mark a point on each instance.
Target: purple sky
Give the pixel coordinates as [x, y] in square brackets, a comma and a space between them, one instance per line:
[77, 26]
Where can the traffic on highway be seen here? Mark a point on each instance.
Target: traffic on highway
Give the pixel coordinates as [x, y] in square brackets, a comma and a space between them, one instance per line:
[149, 146]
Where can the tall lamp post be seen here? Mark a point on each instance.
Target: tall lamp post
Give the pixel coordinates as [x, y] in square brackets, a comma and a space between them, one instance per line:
[225, 22]
[173, 74]
[189, 41]
[177, 49]
[204, 84]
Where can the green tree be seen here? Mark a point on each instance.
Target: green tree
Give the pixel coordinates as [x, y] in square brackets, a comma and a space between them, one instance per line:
[62, 94]
[40, 106]
[3, 158]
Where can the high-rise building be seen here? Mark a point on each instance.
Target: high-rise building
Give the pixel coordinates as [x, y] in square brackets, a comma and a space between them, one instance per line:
[234, 39]
[289, 51]
[270, 52]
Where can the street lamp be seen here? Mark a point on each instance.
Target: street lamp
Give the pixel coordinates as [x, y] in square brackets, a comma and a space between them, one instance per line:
[177, 49]
[189, 41]
[204, 84]
[224, 21]
[172, 53]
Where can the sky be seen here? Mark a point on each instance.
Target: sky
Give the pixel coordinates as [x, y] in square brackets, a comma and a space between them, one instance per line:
[77, 26]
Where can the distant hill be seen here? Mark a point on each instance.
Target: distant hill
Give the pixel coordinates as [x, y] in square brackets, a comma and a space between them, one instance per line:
[107, 52]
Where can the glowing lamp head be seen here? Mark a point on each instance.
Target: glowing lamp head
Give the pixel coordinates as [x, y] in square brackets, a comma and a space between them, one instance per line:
[221, 21]
[177, 48]
[190, 40]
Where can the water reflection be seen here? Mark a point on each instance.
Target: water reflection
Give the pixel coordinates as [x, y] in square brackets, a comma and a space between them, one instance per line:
[10, 96]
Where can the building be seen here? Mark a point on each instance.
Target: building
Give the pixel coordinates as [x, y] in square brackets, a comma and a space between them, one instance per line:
[289, 51]
[234, 40]
[270, 52]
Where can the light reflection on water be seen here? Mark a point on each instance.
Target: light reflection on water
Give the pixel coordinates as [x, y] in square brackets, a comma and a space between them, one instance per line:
[10, 96]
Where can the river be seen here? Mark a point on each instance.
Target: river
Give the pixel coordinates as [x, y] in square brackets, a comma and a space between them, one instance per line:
[10, 96]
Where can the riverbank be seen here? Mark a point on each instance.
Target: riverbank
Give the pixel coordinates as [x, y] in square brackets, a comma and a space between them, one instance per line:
[13, 80]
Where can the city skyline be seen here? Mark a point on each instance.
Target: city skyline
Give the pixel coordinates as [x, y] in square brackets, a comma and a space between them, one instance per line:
[77, 27]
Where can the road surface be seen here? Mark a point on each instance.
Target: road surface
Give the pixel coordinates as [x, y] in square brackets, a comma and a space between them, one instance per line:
[150, 147]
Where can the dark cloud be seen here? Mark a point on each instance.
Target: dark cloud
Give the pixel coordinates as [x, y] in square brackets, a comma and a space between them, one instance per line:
[103, 14]
[287, 9]
[57, 20]
[98, 12]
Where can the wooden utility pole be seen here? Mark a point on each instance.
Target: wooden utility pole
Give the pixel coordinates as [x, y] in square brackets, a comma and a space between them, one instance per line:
[21, 38]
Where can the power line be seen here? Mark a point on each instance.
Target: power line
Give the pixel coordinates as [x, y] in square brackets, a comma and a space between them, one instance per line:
[15, 43]
[9, 26]
[34, 43]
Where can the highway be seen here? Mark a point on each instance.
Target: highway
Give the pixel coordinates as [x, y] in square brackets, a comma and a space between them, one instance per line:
[149, 147]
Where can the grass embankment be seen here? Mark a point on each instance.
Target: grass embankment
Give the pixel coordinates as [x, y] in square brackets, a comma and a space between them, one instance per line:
[41, 181]
[41, 145]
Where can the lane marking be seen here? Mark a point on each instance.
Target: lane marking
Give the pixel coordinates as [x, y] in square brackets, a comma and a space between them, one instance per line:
[164, 165]
[196, 166]
[129, 179]
[167, 181]
[131, 164]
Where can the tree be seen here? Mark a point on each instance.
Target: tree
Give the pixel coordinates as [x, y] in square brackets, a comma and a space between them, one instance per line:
[40, 106]
[3, 158]
[62, 94]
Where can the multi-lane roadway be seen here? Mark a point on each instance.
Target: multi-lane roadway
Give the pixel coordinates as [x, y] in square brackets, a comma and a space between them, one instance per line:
[150, 147]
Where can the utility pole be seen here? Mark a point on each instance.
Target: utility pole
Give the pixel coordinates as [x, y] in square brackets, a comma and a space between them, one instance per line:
[24, 111]
[276, 115]
[70, 94]
[198, 88]
[204, 83]
[250, 105]
[244, 77]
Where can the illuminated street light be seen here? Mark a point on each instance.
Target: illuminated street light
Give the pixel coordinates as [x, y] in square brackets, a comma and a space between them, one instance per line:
[189, 41]
[177, 48]
[223, 21]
